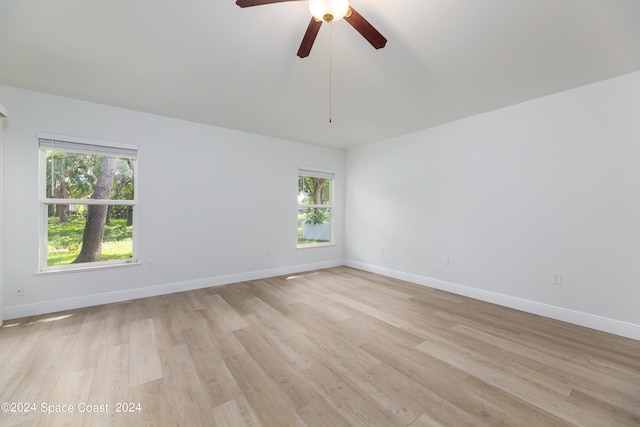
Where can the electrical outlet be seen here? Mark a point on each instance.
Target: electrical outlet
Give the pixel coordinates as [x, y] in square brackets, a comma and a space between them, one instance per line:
[150, 264]
[18, 291]
[556, 279]
[446, 261]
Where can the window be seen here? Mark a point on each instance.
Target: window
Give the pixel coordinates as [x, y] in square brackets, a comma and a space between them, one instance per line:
[88, 199]
[315, 207]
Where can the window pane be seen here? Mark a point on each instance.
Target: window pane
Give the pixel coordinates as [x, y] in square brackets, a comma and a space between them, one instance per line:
[314, 191]
[109, 235]
[76, 175]
[314, 226]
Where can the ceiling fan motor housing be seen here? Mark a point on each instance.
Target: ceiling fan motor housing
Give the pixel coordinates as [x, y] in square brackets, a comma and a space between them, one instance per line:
[328, 10]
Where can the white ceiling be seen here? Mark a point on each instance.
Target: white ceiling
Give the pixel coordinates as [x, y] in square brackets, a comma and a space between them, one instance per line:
[212, 62]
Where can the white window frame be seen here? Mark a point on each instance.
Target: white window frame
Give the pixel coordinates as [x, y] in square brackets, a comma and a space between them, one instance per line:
[49, 141]
[319, 173]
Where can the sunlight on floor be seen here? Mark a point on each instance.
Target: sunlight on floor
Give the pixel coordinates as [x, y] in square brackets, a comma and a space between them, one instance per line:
[45, 320]
[302, 275]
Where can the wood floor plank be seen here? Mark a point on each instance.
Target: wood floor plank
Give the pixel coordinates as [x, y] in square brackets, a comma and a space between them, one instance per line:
[434, 383]
[391, 319]
[110, 384]
[262, 393]
[225, 342]
[474, 407]
[296, 359]
[196, 298]
[152, 398]
[227, 316]
[351, 403]
[520, 411]
[116, 328]
[323, 306]
[234, 413]
[298, 392]
[184, 394]
[359, 288]
[386, 397]
[86, 348]
[528, 365]
[34, 381]
[331, 347]
[144, 356]
[169, 328]
[324, 345]
[10, 344]
[275, 297]
[71, 388]
[235, 295]
[511, 382]
[435, 403]
[209, 363]
[610, 368]
[321, 413]
[425, 420]
[18, 362]
[562, 376]
[312, 320]
[605, 410]
[274, 319]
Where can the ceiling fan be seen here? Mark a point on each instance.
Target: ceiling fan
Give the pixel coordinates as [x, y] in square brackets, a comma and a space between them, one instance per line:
[328, 11]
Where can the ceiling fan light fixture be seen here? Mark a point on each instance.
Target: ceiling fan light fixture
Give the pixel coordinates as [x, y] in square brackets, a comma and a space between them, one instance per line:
[328, 10]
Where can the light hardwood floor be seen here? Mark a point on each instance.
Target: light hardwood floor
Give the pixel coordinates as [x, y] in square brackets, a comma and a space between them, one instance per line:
[336, 347]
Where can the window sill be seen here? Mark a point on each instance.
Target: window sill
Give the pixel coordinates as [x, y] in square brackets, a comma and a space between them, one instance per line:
[85, 268]
[315, 245]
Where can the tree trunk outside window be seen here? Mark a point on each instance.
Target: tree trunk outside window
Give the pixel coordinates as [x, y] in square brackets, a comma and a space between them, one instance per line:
[62, 193]
[97, 214]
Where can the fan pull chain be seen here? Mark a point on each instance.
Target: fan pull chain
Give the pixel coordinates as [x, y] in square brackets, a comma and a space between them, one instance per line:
[330, 70]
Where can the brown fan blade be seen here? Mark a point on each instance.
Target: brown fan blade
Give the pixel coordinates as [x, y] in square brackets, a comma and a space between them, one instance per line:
[363, 26]
[249, 3]
[309, 38]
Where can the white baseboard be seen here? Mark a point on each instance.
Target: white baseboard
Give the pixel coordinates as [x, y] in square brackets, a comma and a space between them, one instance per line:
[599, 323]
[35, 309]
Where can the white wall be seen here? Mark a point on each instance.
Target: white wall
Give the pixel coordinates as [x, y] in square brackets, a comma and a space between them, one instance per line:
[3, 113]
[211, 202]
[512, 196]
